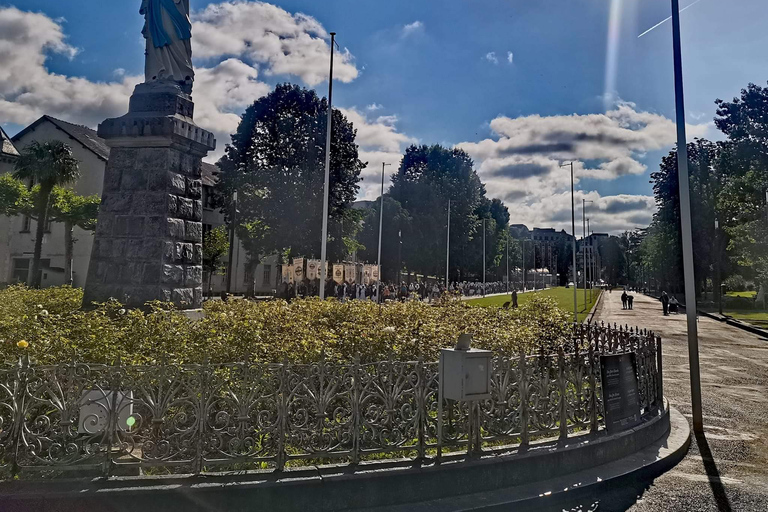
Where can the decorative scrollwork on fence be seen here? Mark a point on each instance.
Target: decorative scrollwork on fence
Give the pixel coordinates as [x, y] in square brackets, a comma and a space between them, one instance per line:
[194, 418]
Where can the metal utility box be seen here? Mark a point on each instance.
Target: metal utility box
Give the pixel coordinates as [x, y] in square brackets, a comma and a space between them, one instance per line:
[465, 374]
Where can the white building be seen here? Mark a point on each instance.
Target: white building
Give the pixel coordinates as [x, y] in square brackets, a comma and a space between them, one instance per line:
[17, 234]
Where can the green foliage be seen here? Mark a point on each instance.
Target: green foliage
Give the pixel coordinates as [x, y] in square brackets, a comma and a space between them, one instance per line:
[48, 164]
[735, 283]
[215, 247]
[14, 196]
[70, 208]
[51, 322]
[276, 163]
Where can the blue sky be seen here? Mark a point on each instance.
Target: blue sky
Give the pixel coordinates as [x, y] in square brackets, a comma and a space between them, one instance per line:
[440, 73]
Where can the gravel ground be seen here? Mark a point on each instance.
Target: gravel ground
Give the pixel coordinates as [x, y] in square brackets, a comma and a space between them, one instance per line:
[726, 468]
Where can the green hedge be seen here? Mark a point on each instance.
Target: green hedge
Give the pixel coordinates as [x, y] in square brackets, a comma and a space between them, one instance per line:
[51, 327]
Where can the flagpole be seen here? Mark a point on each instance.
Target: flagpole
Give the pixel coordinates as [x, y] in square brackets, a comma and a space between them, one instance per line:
[324, 240]
[381, 224]
[448, 246]
[685, 222]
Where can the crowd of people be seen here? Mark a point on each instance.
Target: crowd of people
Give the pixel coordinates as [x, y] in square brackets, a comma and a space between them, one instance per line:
[419, 290]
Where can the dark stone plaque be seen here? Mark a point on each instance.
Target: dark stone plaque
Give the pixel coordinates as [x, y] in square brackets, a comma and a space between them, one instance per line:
[620, 397]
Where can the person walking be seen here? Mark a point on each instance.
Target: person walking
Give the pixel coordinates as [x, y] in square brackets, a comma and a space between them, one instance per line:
[665, 303]
[630, 300]
[514, 299]
[624, 299]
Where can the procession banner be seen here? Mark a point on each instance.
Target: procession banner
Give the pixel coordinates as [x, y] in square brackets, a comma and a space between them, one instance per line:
[291, 279]
[350, 272]
[338, 273]
[313, 269]
[286, 273]
[298, 269]
[375, 273]
[367, 274]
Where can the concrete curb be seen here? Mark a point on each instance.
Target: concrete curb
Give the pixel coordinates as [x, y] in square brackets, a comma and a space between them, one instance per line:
[591, 315]
[649, 462]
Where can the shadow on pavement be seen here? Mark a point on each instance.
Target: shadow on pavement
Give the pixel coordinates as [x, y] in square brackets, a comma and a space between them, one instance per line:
[721, 499]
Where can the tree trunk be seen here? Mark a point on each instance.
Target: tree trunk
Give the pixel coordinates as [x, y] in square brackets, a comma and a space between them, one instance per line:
[69, 249]
[42, 220]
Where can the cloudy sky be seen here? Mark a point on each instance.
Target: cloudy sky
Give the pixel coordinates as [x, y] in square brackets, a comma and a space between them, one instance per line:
[522, 86]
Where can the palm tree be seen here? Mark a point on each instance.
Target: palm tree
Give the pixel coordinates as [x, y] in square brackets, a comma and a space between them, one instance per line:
[48, 164]
[74, 211]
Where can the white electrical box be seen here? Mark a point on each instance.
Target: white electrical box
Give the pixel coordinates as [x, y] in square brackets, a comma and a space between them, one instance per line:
[465, 374]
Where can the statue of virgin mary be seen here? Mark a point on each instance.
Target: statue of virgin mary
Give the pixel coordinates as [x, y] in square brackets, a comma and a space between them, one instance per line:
[168, 32]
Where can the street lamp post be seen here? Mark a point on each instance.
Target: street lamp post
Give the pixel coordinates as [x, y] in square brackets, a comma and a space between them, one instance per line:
[448, 246]
[483, 257]
[685, 223]
[573, 248]
[584, 245]
[326, 186]
[381, 226]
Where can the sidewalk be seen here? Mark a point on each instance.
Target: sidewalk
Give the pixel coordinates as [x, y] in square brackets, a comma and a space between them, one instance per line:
[727, 467]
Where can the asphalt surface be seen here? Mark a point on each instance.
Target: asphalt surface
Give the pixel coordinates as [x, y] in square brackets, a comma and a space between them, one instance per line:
[727, 467]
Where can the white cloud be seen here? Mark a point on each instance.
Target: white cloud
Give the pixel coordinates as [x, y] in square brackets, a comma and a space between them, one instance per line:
[412, 28]
[373, 107]
[491, 57]
[379, 142]
[510, 57]
[522, 164]
[241, 40]
[266, 34]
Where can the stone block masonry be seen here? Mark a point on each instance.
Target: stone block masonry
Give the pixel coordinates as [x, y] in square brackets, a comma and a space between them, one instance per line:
[148, 240]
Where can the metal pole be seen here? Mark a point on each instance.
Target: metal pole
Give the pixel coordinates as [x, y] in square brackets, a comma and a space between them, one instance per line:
[381, 225]
[685, 222]
[507, 262]
[233, 220]
[522, 258]
[584, 246]
[573, 242]
[324, 240]
[590, 263]
[534, 266]
[483, 257]
[719, 277]
[448, 246]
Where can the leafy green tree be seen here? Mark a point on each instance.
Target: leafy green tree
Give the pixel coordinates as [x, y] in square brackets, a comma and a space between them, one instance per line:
[427, 178]
[65, 206]
[744, 156]
[276, 163]
[73, 211]
[215, 247]
[395, 219]
[48, 164]
[706, 181]
[14, 196]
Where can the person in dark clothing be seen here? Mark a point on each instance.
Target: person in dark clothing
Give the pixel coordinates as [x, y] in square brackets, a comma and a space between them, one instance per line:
[514, 299]
[630, 300]
[624, 299]
[665, 303]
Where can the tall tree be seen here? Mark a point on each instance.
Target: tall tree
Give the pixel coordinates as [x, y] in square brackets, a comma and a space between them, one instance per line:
[73, 211]
[427, 178]
[276, 163]
[47, 164]
[744, 156]
[215, 247]
[396, 218]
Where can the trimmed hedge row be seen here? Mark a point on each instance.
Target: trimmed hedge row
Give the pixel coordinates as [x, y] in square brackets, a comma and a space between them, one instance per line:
[50, 326]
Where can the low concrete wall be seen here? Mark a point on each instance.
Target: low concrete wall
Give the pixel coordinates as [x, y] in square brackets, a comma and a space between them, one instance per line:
[335, 488]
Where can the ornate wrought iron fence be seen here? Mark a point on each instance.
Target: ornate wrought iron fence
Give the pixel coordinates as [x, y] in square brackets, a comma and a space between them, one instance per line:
[208, 417]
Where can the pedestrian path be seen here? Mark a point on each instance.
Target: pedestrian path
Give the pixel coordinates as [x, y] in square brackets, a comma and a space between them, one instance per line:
[727, 468]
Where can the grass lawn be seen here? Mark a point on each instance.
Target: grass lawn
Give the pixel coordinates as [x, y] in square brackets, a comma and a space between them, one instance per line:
[756, 318]
[563, 296]
[749, 295]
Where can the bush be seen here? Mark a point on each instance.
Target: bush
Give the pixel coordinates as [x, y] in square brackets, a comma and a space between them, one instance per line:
[735, 283]
[55, 329]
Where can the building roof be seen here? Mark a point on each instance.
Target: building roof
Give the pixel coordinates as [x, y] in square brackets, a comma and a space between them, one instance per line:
[82, 134]
[210, 174]
[6, 146]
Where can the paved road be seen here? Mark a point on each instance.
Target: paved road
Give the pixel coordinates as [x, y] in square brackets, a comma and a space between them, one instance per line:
[727, 468]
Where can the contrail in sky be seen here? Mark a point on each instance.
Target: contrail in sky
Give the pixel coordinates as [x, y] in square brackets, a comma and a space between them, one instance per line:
[667, 19]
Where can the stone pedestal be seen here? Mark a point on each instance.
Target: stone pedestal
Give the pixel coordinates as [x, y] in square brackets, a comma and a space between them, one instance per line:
[148, 240]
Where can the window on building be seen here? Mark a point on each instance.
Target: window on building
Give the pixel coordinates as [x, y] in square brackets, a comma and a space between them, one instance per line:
[267, 275]
[206, 229]
[209, 199]
[20, 270]
[26, 222]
